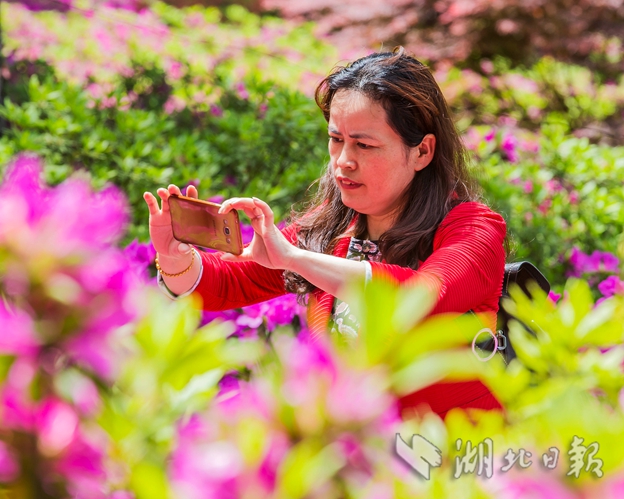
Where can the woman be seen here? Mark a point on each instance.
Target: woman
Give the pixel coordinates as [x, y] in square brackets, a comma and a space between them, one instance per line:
[396, 202]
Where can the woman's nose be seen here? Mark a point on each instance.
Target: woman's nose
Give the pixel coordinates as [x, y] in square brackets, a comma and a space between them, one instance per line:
[345, 159]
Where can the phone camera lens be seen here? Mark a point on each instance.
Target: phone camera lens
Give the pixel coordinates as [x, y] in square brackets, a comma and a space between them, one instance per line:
[227, 231]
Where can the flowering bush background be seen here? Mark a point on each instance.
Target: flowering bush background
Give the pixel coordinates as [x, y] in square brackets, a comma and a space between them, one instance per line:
[160, 95]
[107, 390]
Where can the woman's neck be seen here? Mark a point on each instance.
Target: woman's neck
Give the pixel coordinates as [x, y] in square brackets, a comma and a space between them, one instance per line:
[376, 226]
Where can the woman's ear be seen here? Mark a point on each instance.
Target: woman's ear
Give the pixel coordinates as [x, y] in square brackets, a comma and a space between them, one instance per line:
[423, 152]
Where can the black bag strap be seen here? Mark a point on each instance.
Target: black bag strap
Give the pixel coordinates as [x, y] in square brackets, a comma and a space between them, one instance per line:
[520, 273]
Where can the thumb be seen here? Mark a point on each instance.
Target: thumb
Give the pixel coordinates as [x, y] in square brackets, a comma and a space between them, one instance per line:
[229, 257]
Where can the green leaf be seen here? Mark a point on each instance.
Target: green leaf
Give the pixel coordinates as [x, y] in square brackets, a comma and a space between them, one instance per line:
[148, 481]
[307, 466]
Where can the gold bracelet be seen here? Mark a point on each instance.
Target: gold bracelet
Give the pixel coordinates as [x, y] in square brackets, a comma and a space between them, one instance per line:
[179, 273]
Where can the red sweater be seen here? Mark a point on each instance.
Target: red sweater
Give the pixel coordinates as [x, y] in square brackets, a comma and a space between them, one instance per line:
[468, 259]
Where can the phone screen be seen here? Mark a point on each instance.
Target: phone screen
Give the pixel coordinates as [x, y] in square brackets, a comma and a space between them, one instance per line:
[198, 222]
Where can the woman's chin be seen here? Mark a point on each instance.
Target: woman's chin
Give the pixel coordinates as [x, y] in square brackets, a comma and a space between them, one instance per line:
[349, 202]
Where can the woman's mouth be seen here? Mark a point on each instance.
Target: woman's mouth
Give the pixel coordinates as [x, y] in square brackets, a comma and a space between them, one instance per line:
[345, 183]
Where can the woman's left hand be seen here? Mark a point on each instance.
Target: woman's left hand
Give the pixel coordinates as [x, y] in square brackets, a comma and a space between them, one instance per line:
[268, 247]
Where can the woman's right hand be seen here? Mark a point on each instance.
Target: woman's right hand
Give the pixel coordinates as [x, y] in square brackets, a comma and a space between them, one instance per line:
[173, 255]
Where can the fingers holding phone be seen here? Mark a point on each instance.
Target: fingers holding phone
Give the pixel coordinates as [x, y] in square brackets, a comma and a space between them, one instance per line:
[160, 229]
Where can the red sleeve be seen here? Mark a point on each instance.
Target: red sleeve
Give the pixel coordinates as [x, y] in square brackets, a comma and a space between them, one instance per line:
[226, 285]
[467, 263]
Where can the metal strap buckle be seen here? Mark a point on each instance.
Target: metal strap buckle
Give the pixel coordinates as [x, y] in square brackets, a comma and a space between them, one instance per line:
[502, 340]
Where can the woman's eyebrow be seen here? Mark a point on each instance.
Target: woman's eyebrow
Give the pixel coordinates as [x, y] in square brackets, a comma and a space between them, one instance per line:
[359, 135]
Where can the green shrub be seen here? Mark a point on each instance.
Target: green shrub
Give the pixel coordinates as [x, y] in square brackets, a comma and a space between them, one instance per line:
[270, 145]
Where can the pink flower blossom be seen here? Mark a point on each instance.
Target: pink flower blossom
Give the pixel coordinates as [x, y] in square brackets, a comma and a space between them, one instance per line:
[9, 468]
[56, 425]
[610, 286]
[544, 206]
[175, 70]
[84, 395]
[598, 261]
[140, 257]
[241, 91]
[508, 146]
[217, 199]
[542, 486]
[530, 145]
[534, 113]
[18, 407]
[487, 66]
[554, 297]
[216, 111]
[262, 110]
[174, 104]
[553, 186]
[18, 337]
[490, 135]
[74, 229]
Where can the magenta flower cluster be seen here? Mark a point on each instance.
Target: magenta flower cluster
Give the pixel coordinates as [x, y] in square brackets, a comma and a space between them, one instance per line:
[311, 399]
[594, 267]
[598, 261]
[67, 293]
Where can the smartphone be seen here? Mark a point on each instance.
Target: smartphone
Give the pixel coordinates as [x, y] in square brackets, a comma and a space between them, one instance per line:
[198, 222]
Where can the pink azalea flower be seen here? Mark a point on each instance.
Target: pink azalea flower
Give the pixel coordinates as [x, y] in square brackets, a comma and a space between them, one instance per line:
[216, 111]
[536, 487]
[508, 147]
[487, 66]
[175, 70]
[95, 351]
[140, 257]
[553, 186]
[610, 286]
[84, 395]
[9, 468]
[57, 424]
[262, 110]
[18, 337]
[76, 229]
[18, 407]
[579, 262]
[356, 397]
[610, 262]
[241, 91]
[217, 199]
[82, 464]
[544, 206]
[174, 104]
[554, 297]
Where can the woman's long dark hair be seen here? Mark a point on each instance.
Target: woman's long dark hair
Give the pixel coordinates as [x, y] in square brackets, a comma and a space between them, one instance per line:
[415, 107]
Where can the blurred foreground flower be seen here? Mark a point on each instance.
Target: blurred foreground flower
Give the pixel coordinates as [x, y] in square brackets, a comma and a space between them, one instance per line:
[60, 269]
[306, 427]
[67, 293]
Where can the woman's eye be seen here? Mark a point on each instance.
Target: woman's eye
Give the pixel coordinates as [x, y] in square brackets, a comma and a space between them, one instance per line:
[334, 139]
[364, 146]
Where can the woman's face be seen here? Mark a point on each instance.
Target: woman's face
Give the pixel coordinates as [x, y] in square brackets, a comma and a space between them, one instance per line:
[371, 164]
